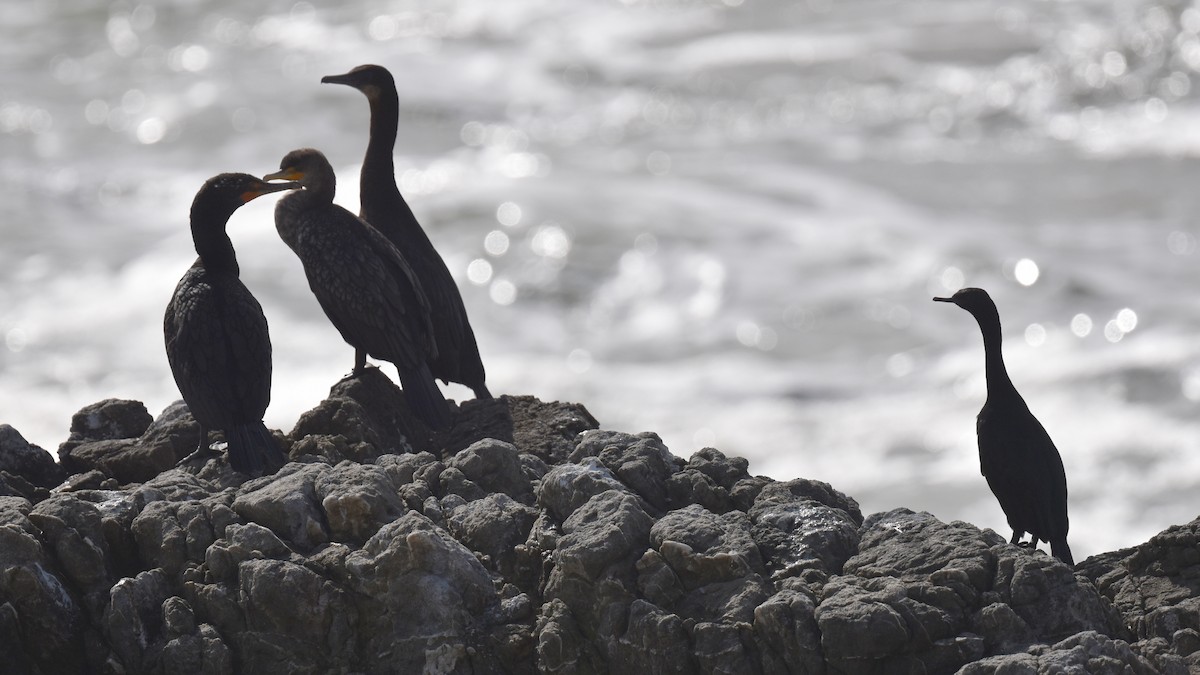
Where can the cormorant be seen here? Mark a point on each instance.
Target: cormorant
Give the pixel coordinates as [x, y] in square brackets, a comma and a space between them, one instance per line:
[1016, 455]
[385, 209]
[216, 334]
[361, 280]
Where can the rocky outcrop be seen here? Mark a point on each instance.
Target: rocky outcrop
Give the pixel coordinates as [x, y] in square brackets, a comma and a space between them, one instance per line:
[524, 540]
[26, 470]
[121, 440]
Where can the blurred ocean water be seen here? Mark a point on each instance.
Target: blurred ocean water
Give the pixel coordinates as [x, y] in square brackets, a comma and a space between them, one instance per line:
[719, 220]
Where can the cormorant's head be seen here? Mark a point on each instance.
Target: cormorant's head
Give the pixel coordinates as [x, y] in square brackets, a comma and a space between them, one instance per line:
[306, 166]
[373, 81]
[225, 192]
[974, 300]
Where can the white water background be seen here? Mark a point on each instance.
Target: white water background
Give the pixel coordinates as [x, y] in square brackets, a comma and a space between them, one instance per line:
[720, 221]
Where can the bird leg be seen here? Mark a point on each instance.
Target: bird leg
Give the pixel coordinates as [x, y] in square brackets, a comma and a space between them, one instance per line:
[1016, 540]
[202, 454]
[360, 364]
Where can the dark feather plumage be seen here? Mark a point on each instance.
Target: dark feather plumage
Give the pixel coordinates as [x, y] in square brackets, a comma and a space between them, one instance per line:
[216, 335]
[1016, 456]
[362, 282]
[385, 209]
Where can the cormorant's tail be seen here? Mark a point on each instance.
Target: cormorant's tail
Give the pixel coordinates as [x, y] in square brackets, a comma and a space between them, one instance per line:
[425, 398]
[252, 450]
[1061, 551]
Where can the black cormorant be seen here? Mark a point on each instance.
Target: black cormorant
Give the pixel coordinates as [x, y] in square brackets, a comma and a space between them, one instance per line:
[385, 209]
[1016, 455]
[361, 280]
[216, 334]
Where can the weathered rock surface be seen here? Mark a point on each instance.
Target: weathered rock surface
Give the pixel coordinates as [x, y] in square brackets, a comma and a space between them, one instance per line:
[119, 439]
[20, 458]
[525, 540]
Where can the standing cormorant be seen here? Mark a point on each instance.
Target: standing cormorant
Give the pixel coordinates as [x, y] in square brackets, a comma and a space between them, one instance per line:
[361, 280]
[385, 209]
[216, 334]
[1016, 455]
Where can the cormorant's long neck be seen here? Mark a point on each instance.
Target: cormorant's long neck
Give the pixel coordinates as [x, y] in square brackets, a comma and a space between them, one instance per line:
[998, 381]
[212, 243]
[320, 183]
[378, 178]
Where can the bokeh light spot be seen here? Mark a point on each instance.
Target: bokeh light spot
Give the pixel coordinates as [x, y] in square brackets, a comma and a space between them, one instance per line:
[1026, 272]
[151, 131]
[899, 365]
[1112, 332]
[1179, 243]
[96, 112]
[1035, 335]
[658, 163]
[952, 278]
[551, 241]
[711, 273]
[1127, 320]
[579, 360]
[142, 17]
[747, 333]
[508, 214]
[473, 133]
[133, 101]
[16, 339]
[479, 271]
[194, 58]
[646, 243]
[496, 243]
[503, 292]
[1156, 110]
[1081, 325]
[383, 27]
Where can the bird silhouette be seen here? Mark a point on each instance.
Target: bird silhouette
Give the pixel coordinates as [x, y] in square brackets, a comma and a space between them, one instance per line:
[362, 282]
[1016, 455]
[384, 208]
[216, 335]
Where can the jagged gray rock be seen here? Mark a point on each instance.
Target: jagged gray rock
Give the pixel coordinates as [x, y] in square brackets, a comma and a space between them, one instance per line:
[21, 458]
[524, 540]
[119, 440]
[287, 503]
[109, 419]
[41, 621]
[1086, 652]
[422, 595]
[495, 527]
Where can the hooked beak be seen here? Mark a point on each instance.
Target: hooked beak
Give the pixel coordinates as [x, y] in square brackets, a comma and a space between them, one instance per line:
[288, 173]
[336, 79]
[950, 300]
[266, 188]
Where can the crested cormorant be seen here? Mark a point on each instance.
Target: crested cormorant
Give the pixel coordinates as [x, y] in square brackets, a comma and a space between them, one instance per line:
[1016, 455]
[216, 334]
[361, 280]
[385, 209]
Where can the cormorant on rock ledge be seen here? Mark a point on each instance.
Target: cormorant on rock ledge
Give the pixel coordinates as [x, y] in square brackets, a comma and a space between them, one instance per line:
[385, 209]
[216, 335]
[1016, 455]
[361, 280]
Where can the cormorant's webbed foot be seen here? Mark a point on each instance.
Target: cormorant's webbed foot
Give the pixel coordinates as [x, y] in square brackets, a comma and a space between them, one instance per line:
[360, 364]
[199, 457]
